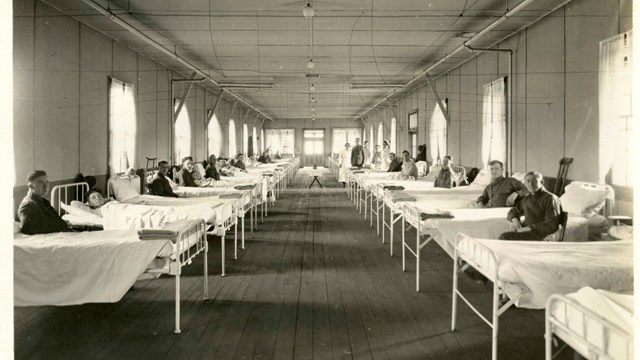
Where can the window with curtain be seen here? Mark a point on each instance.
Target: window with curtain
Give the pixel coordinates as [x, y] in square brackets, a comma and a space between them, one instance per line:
[372, 141]
[122, 126]
[413, 133]
[254, 140]
[341, 136]
[393, 135]
[617, 159]
[380, 134]
[181, 133]
[437, 134]
[245, 139]
[214, 136]
[232, 139]
[262, 140]
[494, 122]
[281, 140]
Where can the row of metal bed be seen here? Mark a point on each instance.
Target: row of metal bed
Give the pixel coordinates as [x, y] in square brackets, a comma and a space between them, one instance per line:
[537, 275]
[138, 235]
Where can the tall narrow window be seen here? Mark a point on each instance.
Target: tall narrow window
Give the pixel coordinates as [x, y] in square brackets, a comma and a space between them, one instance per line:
[341, 136]
[413, 133]
[214, 134]
[617, 160]
[372, 139]
[122, 126]
[262, 148]
[182, 133]
[232, 139]
[393, 135]
[254, 140]
[245, 139]
[380, 134]
[438, 134]
[494, 122]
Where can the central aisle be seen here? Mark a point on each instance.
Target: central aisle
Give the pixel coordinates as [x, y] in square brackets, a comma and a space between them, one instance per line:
[314, 282]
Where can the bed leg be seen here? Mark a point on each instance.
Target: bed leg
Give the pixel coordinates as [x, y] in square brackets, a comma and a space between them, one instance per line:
[403, 242]
[371, 210]
[417, 261]
[391, 230]
[235, 240]
[383, 222]
[242, 219]
[365, 205]
[378, 215]
[177, 330]
[548, 347]
[222, 242]
[454, 296]
[251, 218]
[206, 268]
[494, 320]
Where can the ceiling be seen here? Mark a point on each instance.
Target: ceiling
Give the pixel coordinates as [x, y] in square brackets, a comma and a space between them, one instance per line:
[270, 42]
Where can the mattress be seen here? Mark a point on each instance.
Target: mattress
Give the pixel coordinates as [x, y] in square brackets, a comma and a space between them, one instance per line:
[80, 267]
[189, 192]
[118, 215]
[537, 269]
[616, 308]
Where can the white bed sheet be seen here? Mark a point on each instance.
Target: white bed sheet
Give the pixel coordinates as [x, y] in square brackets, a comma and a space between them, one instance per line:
[617, 308]
[543, 268]
[117, 216]
[82, 267]
[429, 200]
[197, 192]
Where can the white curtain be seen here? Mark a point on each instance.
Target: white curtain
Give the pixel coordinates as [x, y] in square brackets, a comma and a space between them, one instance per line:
[214, 134]
[122, 126]
[372, 141]
[341, 136]
[380, 134]
[245, 139]
[232, 139]
[437, 134]
[615, 111]
[262, 141]
[254, 140]
[494, 122]
[182, 133]
[393, 135]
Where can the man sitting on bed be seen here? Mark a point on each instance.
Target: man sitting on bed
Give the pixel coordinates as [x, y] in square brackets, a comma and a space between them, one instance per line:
[239, 163]
[36, 214]
[211, 172]
[159, 184]
[497, 193]
[446, 177]
[184, 177]
[394, 165]
[409, 168]
[541, 210]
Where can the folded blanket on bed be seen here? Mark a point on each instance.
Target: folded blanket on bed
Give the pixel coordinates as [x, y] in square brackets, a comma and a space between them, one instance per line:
[244, 187]
[436, 214]
[393, 187]
[169, 231]
[267, 174]
[398, 196]
[354, 168]
[230, 196]
[358, 171]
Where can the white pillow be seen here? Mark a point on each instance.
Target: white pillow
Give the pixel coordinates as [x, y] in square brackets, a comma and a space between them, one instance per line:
[125, 188]
[433, 172]
[422, 168]
[581, 200]
[174, 186]
[483, 178]
[77, 209]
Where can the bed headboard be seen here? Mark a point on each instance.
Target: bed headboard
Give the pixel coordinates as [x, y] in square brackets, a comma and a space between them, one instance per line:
[462, 173]
[67, 193]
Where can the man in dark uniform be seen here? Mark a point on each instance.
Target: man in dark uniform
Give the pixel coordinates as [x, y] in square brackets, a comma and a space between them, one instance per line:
[211, 172]
[357, 154]
[541, 210]
[184, 177]
[446, 178]
[36, 214]
[500, 188]
[394, 165]
[159, 184]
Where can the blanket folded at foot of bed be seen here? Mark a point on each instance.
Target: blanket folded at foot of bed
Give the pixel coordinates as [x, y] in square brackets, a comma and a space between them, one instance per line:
[169, 231]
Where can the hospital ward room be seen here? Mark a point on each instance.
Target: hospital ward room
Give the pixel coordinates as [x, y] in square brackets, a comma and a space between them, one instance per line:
[319, 179]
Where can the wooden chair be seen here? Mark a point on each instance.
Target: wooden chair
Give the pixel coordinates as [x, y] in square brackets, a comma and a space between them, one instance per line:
[563, 218]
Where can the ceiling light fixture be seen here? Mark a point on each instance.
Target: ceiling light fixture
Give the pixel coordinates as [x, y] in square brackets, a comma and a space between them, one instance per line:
[308, 11]
[310, 64]
[312, 87]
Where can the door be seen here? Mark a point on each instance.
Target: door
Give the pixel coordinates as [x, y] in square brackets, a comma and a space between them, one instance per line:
[313, 147]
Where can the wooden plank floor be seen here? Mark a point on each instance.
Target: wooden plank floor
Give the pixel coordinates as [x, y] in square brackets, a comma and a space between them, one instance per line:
[315, 282]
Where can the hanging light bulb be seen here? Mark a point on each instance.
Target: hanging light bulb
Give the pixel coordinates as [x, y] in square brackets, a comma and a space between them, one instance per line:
[313, 118]
[310, 64]
[308, 11]
[312, 87]
[313, 108]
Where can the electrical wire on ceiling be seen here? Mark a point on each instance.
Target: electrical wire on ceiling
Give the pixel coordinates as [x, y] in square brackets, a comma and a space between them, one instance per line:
[213, 47]
[349, 51]
[373, 50]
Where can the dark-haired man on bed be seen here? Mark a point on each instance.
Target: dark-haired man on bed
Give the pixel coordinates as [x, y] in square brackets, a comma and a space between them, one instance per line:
[184, 177]
[159, 184]
[446, 177]
[211, 172]
[497, 193]
[36, 214]
[541, 210]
